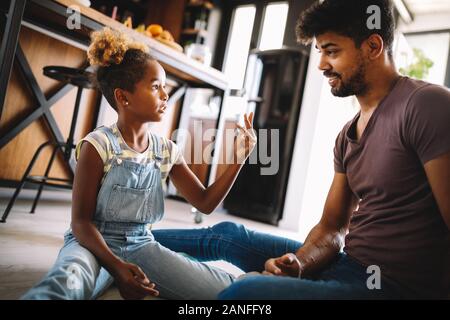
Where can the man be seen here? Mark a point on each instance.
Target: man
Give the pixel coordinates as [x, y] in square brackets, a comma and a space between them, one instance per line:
[389, 203]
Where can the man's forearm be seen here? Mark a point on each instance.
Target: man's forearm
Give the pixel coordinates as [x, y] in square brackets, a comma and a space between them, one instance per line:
[320, 248]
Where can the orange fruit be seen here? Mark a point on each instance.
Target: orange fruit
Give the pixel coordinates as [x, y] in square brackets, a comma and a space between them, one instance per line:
[155, 29]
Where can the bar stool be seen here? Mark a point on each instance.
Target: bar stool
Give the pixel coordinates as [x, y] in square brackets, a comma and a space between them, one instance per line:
[81, 79]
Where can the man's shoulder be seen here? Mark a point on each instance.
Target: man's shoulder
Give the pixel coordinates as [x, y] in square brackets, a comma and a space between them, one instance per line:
[428, 98]
[430, 93]
[418, 90]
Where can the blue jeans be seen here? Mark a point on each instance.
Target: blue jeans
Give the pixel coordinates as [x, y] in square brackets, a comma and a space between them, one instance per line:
[77, 274]
[344, 278]
[130, 197]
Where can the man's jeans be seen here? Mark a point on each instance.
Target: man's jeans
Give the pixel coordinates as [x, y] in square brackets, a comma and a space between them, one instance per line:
[343, 279]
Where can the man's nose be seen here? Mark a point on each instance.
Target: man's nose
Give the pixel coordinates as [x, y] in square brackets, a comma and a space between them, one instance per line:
[323, 64]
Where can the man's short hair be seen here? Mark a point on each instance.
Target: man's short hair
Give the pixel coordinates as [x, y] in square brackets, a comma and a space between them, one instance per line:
[348, 18]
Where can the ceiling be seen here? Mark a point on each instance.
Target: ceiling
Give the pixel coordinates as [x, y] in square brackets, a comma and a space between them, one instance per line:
[428, 6]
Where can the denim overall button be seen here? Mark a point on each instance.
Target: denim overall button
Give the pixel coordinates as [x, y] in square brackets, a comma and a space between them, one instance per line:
[119, 161]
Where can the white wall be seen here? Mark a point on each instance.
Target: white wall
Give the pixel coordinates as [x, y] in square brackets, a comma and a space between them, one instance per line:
[322, 117]
[426, 22]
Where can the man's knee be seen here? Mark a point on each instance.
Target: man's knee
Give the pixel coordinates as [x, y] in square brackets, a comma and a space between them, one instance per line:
[248, 288]
[228, 228]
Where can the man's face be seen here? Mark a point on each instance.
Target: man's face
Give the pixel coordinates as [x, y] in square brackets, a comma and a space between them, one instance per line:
[343, 63]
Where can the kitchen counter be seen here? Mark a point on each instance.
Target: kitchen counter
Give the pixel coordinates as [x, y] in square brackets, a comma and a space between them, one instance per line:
[177, 64]
[38, 29]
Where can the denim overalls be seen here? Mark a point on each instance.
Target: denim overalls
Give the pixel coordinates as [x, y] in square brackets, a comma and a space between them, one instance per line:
[130, 198]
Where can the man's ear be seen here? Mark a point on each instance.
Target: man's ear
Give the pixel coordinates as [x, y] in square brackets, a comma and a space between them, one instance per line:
[120, 96]
[375, 46]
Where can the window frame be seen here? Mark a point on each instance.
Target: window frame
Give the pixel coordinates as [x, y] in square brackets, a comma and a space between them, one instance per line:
[226, 22]
[447, 71]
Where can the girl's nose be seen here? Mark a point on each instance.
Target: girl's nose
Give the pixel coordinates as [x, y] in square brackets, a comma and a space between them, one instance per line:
[164, 95]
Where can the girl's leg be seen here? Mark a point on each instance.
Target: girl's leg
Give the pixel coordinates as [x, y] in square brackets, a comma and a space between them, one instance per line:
[103, 282]
[227, 241]
[178, 277]
[73, 275]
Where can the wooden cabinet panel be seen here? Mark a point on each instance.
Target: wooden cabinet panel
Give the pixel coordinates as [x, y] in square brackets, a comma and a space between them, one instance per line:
[40, 51]
[169, 14]
[192, 152]
[195, 152]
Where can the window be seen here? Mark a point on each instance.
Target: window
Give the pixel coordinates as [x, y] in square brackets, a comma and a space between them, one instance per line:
[274, 25]
[430, 46]
[238, 45]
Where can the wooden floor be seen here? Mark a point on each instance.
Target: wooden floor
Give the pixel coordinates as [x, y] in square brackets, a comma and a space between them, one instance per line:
[29, 243]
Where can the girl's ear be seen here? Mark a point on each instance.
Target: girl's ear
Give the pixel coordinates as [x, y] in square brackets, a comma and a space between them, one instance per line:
[120, 97]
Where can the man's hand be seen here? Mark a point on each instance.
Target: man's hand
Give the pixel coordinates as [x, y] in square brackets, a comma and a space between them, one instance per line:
[132, 282]
[286, 265]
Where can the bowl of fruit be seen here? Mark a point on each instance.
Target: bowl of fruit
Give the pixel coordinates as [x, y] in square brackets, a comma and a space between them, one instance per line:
[158, 33]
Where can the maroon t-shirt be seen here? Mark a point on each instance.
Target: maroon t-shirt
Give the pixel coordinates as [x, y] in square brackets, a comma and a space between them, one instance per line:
[397, 224]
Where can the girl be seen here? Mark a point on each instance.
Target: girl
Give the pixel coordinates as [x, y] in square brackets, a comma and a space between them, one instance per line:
[117, 191]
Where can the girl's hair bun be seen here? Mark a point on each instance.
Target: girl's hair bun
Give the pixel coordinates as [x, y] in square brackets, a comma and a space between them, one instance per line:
[109, 47]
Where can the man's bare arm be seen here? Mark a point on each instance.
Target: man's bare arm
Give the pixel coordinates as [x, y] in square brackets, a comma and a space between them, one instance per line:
[326, 239]
[438, 174]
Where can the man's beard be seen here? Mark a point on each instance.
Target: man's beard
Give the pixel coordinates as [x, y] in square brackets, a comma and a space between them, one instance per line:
[355, 85]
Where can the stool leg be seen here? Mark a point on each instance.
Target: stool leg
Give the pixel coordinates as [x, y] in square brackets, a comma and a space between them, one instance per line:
[41, 186]
[69, 147]
[22, 182]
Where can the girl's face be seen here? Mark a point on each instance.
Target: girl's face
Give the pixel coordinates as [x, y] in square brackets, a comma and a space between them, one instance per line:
[148, 102]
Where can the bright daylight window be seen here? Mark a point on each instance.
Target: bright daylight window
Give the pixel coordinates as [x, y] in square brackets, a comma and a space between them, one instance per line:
[274, 25]
[238, 45]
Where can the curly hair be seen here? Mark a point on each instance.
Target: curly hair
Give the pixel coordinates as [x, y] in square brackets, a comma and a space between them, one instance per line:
[120, 61]
[347, 18]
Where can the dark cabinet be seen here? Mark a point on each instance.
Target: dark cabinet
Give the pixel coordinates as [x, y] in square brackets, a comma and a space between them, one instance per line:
[275, 82]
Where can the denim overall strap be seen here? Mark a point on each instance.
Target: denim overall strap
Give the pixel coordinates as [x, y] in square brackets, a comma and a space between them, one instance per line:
[112, 139]
[131, 192]
[157, 149]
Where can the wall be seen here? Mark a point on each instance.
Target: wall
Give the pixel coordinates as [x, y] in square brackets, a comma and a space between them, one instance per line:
[322, 117]
[426, 22]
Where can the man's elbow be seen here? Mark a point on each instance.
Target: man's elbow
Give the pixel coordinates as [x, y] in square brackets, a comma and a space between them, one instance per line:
[334, 237]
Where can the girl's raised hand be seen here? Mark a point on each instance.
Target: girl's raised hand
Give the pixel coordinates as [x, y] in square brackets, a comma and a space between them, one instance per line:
[246, 139]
